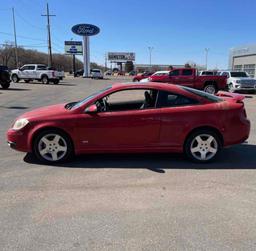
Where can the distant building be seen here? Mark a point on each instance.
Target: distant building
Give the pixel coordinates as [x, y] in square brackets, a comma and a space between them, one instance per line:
[154, 67]
[160, 67]
[243, 58]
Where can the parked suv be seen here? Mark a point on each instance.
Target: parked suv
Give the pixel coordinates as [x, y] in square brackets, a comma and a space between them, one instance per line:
[4, 77]
[239, 81]
[30, 72]
[96, 73]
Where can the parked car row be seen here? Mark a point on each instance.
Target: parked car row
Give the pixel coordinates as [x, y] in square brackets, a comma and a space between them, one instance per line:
[94, 73]
[209, 81]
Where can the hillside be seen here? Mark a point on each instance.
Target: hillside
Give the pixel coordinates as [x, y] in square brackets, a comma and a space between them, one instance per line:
[28, 56]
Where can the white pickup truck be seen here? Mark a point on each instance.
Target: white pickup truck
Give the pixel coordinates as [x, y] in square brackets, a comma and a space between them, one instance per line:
[30, 72]
[239, 81]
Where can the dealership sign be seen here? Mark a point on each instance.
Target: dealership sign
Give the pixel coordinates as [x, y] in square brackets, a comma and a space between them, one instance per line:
[74, 47]
[85, 29]
[121, 56]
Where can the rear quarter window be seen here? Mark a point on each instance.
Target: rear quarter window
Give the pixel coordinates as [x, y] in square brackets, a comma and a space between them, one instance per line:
[203, 94]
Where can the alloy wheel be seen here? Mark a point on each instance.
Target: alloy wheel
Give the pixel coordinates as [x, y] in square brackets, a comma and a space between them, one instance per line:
[210, 89]
[52, 147]
[204, 147]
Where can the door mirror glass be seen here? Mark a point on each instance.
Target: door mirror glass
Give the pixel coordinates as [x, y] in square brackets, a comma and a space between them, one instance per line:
[91, 109]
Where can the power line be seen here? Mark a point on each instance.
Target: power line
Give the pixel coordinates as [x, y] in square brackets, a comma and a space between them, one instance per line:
[49, 34]
[24, 37]
[28, 22]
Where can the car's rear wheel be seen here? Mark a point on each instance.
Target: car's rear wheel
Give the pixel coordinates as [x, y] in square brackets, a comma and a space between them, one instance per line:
[15, 78]
[135, 80]
[5, 85]
[56, 81]
[45, 80]
[210, 88]
[202, 146]
[52, 146]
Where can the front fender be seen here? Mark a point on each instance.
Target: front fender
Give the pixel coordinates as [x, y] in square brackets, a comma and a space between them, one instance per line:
[48, 125]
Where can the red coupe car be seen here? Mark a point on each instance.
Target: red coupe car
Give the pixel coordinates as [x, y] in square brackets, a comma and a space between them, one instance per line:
[130, 117]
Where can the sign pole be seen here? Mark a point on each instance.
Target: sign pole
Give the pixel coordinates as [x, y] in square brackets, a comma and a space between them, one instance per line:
[86, 51]
[74, 65]
[88, 56]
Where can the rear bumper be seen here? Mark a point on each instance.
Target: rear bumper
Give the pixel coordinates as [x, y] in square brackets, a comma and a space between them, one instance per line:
[239, 135]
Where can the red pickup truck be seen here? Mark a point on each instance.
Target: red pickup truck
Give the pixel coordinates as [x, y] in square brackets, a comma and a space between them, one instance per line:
[189, 77]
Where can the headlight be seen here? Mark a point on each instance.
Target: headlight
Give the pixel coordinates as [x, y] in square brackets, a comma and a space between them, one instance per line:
[20, 123]
[238, 81]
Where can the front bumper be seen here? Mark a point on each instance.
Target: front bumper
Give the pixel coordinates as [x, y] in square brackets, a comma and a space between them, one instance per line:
[238, 87]
[17, 140]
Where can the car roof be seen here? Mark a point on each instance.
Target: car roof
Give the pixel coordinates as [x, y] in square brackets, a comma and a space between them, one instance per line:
[150, 85]
[161, 72]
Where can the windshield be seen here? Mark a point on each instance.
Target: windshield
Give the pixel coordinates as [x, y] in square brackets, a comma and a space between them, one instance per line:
[203, 94]
[240, 74]
[95, 71]
[75, 105]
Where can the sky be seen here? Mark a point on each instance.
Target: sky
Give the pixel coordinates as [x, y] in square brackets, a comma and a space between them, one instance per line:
[179, 31]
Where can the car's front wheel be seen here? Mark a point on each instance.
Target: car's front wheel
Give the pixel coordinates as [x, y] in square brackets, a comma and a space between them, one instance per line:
[52, 146]
[231, 87]
[202, 146]
[15, 78]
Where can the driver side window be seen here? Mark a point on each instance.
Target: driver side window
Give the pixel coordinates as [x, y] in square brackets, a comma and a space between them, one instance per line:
[126, 100]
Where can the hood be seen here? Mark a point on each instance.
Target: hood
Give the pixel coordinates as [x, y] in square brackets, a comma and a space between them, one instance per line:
[247, 78]
[45, 112]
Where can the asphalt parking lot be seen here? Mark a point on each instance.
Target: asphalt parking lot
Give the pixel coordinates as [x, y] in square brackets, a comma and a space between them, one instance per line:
[122, 202]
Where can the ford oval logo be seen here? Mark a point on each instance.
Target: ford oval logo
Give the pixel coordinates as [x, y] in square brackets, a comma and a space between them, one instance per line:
[85, 29]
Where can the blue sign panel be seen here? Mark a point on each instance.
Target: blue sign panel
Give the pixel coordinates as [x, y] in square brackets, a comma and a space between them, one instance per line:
[85, 29]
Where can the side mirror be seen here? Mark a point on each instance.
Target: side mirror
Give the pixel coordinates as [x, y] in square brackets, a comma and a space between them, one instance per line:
[91, 109]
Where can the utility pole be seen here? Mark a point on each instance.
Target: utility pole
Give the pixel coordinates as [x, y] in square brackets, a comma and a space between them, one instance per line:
[206, 57]
[150, 48]
[15, 39]
[49, 35]
[105, 62]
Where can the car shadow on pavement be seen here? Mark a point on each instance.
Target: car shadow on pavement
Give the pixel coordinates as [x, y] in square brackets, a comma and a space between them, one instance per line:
[14, 107]
[16, 89]
[236, 157]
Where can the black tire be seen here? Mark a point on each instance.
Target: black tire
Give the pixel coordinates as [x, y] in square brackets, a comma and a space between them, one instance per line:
[204, 149]
[15, 78]
[56, 81]
[135, 80]
[63, 137]
[45, 79]
[5, 85]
